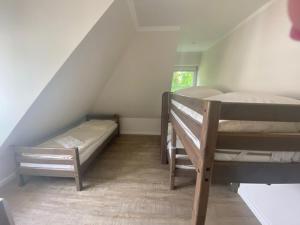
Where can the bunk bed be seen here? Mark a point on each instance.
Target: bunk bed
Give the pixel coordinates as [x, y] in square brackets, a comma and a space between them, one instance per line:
[200, 92]
[68, 154]
[260, 131]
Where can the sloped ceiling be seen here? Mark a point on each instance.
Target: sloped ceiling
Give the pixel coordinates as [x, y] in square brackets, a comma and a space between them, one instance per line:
[36, 38]
[75, 87]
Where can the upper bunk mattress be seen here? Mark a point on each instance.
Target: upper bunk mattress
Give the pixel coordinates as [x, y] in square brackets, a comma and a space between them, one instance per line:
[249, 126]
[87, 137]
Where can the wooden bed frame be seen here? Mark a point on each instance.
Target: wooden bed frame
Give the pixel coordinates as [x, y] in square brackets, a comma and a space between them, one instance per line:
[209, 170]
[79, 169]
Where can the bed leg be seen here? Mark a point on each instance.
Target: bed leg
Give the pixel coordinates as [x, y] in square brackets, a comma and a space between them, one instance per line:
[77, 170]
[78, 181]
[173, 159]
[164, 127]
[172, 169]
[21, 180]
[20, 177]
[234, 187]
[200, 200]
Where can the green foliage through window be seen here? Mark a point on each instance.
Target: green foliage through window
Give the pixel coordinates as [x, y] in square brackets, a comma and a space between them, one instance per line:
[182, 79]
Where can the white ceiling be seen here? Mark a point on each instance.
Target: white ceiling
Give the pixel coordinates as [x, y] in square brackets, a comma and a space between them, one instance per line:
[201, 22]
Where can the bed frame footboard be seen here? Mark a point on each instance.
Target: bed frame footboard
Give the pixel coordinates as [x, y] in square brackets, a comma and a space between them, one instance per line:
[65, 160]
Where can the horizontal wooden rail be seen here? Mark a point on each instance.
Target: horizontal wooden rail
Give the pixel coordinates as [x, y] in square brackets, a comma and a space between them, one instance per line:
[25, 159]
[193, 103]
[259, 141]
[256, 172]
[47, 172]
[191, 123]
[192, 150]
[260, 112]
[45, 151]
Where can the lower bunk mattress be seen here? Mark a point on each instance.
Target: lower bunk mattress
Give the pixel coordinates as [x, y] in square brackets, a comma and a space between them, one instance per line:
[244, 155]
[87, 137]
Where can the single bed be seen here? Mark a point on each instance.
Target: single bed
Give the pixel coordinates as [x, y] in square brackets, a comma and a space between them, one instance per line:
[236, 138]
[68, 154]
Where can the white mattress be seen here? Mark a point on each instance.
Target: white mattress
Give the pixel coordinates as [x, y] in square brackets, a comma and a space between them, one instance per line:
[88, 135]
[246, 126]
[198, 92]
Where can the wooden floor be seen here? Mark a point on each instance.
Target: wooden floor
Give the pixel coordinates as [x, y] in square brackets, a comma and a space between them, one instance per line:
[126, 186]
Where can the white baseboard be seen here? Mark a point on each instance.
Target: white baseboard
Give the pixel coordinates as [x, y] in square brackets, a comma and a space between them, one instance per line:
[142, 126]
[7, 179]
[262, 219]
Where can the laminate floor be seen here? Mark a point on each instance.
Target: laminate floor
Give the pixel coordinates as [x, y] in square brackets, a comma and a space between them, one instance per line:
[126, 185]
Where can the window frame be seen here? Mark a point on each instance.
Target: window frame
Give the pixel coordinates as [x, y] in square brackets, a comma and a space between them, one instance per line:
[193, 69]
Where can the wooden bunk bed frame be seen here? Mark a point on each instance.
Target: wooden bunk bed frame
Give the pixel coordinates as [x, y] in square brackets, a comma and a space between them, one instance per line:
[209, 170]
[79, 169]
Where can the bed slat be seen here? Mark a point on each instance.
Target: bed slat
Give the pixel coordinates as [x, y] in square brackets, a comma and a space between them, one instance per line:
[45, 151]
[260, 112]
[193, 103]
[256, 172]
[25, 159]
[259, 141]
[191, 149]
[46, 172]
[192, 124]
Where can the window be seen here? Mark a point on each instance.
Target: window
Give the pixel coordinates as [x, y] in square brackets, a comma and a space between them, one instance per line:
[184, 77]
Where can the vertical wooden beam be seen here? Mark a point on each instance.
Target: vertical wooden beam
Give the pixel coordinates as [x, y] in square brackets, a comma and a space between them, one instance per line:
[234, 187]
[173, 160]
[20, 177]
[164, 126]
[77, 172]
[208, 145]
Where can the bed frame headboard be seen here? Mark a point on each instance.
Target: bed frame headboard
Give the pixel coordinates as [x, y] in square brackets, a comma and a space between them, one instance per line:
[114, 117]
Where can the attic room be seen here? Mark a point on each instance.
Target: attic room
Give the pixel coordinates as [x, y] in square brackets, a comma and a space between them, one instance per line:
[152, 112]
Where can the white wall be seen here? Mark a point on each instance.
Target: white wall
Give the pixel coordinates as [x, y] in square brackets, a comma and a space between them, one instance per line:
[143, 74]
[36, 37]
[260, 56]
[188, 58]
[75, 87]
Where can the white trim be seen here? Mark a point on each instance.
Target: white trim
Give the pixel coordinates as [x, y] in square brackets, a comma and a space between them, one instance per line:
[134, 17]
[262, 219]
[8, 179]
[142, 126]
[253, 15]
[140, 132]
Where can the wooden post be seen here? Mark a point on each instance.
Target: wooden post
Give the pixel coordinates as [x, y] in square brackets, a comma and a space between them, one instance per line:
[20, 177]
[164, 126]
[208, 136]
[77, 172]
[173, 160]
